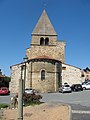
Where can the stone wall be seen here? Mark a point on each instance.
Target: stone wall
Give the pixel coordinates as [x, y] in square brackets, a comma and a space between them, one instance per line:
[71, 74]
[15, 77]
[55, 52]
[36, 39]
[33, 76]
[49, 84]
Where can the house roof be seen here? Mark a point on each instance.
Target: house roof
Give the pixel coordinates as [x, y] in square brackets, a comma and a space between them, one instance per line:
[38, 58]
[2, 76]
[70, 65]
[44, 26]
[43, 57]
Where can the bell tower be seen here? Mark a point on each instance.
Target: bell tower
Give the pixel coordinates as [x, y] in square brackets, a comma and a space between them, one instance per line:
[44, 41]
[44, 33]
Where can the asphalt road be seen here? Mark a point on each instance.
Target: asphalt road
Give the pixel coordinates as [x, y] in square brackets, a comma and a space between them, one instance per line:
[79, 102]
[81, 98]
[5, 98]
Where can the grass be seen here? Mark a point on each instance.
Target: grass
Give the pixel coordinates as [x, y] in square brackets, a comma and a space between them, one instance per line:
[3, 105]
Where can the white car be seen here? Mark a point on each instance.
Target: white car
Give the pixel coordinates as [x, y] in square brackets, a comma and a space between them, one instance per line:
[29, 91]
[85, 82]
[65, 88]
[86, 86]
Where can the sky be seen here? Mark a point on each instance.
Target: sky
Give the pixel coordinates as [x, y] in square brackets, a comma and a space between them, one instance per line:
[70, 18]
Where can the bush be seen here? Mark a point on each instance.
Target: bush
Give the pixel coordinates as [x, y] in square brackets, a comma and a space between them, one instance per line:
[31, 99]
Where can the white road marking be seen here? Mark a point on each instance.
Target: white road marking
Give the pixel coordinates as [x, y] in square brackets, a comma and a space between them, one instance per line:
[81, 111]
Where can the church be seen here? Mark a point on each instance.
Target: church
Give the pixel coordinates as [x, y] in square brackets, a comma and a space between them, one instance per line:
[46, 69]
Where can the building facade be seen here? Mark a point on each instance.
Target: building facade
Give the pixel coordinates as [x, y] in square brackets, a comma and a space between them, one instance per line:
[46, 70]
[86, 74]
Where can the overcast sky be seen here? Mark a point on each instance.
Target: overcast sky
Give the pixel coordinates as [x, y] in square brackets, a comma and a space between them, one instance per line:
[70, 18]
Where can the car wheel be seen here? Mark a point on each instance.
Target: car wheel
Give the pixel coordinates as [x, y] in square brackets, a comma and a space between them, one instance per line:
[62, 92]
[74, 90]
[84, 88]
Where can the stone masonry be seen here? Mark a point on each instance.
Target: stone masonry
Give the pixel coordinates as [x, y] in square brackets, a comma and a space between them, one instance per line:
[46, 53]
[71, 74]
[57, 50]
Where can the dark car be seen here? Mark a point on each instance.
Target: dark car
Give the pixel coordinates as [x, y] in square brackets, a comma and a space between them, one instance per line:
[76, 87]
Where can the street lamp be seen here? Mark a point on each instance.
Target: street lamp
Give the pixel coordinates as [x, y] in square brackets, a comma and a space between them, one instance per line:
[25, 61]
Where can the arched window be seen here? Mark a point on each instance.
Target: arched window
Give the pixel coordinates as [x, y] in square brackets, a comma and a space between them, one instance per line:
[46, 41]
[43, 75]
[42, 41]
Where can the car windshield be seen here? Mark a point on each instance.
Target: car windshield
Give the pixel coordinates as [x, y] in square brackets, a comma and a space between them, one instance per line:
[78, 85]
[3, 88]
[66, 85]
[28, 89]
[87, 83]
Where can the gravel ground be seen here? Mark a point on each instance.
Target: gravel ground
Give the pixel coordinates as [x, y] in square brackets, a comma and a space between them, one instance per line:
[1, 114]
[40, 112]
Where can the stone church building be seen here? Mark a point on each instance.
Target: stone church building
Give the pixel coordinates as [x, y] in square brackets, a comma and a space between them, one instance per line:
[46, 69]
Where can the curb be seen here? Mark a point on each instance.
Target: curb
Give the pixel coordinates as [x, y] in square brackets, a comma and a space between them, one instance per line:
[69, 113]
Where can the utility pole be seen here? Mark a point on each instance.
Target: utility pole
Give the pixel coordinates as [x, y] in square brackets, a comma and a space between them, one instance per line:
[20, 97]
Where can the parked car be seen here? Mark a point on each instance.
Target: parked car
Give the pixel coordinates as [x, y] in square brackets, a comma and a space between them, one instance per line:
[65, 88]
[76, 87]
[85, 82]
[86, 86]
[4, 91]
[65, 83]
[29, 91]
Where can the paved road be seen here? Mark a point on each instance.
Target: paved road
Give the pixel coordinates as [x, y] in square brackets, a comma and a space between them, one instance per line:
[79, 101]
[82, 98]
[80, 112]
[5, 98]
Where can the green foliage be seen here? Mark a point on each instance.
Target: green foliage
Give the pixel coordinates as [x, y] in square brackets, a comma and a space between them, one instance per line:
[7, 79]
[4, 105]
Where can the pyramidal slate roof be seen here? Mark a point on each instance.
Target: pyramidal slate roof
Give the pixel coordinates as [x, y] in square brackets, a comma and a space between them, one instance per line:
[44, 26]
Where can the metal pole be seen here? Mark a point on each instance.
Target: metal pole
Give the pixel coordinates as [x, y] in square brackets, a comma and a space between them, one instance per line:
[24, 78]
[20, 98]
[25, 60]
[24, 82]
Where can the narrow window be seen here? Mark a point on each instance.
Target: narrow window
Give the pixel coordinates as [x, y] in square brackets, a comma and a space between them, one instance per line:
[41, 41]
[46, 41]
[63, 68]
[87, 76]
[82, 75]
[43, 75]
